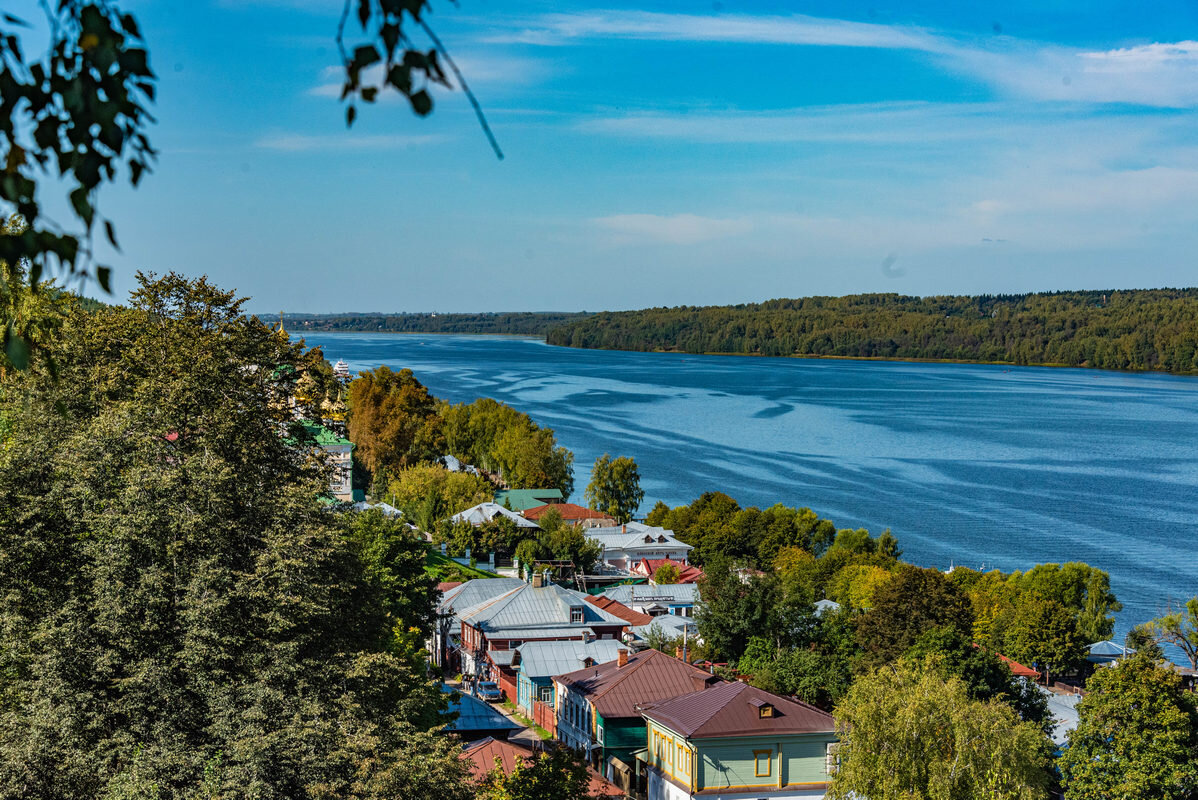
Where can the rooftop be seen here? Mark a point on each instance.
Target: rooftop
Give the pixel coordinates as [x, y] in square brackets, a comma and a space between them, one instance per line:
[474, 714]
[485, 512]
[547, 659]
[529, 607]
[569, 511]
[484, 753]
[634, 536]
[687, 573]
[636, 595]
[620, 610]
[738, 709]
[650, 676]
[524, 499]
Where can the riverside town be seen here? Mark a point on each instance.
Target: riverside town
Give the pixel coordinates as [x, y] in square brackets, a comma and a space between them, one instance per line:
[725, 401]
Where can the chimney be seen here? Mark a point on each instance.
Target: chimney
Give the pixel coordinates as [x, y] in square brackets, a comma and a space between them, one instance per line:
[623, 529]
[678, 653]
[538, 580]
[700, 681]
[622, 657]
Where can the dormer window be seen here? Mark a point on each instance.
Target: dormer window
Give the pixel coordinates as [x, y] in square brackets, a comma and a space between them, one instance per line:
[648, 540]
[662, 539]
[576, 615]
[764, 709]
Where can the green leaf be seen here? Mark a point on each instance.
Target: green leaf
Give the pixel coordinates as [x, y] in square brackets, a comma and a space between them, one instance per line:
[130, 26]
[366, 55]
[363, 12]
[369, 93]
[110, 232]
[350, 114]
[17, 349]
[83, 208]
[422, 103]
[11, 20]
[104, 277]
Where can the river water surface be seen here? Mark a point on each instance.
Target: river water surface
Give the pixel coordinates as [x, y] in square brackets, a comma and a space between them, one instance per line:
[967, 464]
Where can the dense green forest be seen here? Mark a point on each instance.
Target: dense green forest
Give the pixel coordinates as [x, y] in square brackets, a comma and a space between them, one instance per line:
[1150, 329]
[532, 323]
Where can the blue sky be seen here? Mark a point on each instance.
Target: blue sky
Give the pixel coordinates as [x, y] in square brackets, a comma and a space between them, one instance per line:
[676, 153]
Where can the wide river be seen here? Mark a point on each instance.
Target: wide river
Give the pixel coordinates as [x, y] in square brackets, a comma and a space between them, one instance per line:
[982, 466]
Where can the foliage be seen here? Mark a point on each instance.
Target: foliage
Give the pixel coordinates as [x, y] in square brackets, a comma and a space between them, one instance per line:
[1154, 329]
[442, 568]
[393, 421]
[734, 606]
[984, 675]
[1136, 739]
[817, 670]
[658, 639]
[427, 493]
[533, 323]
[666, 574]
[180, 613]
[558, 541]
[558, 773]
[718, 528]
[1142, 639]
[31, 312]
[1044, 634]
[71, 118]
[615, 487]
[911, 603]
[1180, 629]
[500, 439]
[1079, 587]
[906, 733]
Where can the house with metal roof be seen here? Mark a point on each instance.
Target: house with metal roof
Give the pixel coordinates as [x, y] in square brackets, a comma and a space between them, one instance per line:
[455, 601]
[483, 513]
[538, 611]
[625, 546]
[572, 514]
[673, 598]
[537, 663]
[524, 499]
[599, 708]
[736, 741]
[339, 451]
[687, 573]
[487, 754]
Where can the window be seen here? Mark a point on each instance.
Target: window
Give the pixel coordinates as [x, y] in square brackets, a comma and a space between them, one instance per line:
[599, 735]
[545, 694]
[576, 615]
[680, 761]
[763, 763]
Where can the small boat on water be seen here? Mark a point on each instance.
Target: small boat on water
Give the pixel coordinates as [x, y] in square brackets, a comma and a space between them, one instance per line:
[341, 369]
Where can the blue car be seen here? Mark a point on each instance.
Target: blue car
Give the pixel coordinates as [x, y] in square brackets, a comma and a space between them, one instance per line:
[489, 691]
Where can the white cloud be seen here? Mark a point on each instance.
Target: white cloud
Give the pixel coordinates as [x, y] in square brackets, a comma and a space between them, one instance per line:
[677, 229]
[558, 29]
[480, 70]
[296, 142]
[1161, 74]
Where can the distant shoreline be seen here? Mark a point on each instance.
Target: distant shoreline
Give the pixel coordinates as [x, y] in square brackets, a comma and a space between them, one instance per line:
[808, 357]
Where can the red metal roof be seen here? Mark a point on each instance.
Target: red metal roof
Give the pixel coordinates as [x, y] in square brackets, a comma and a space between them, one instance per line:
[686, 572]
[445, 586]
[734, 709]
[1017, 669]
[620, 610]
[482, 755]
[650, 676]
[569, 511]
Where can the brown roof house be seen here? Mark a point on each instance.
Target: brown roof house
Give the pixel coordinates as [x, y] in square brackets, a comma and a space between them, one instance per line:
[737, 741]
[487, 754]
[599, 708]
[572, 514]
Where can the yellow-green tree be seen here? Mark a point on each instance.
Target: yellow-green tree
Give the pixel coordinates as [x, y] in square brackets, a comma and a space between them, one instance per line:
[906, 733]
[1136, 739]
[429, 492]
[615, 487]
[393, 421]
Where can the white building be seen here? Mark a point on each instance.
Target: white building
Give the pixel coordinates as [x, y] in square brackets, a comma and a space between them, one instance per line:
[625, 545]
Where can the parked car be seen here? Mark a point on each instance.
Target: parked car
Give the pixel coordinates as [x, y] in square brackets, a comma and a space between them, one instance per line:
[489, 691]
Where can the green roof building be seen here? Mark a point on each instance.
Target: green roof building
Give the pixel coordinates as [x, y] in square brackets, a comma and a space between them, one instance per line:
[524, 499]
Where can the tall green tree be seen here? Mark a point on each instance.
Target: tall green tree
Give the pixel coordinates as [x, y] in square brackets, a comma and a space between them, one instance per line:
[1180, 629]
[906, 733]
[393, 421]
[1136, 738]
[180, 614]
[1044, 634]
[735, 605]
[615, 487]
[913, 602]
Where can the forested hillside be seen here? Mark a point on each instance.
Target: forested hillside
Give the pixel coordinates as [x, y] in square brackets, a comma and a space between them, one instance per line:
[532, 323]
[1153, 329]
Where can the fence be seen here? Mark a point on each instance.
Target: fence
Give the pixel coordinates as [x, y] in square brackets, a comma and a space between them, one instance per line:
[544, 715]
